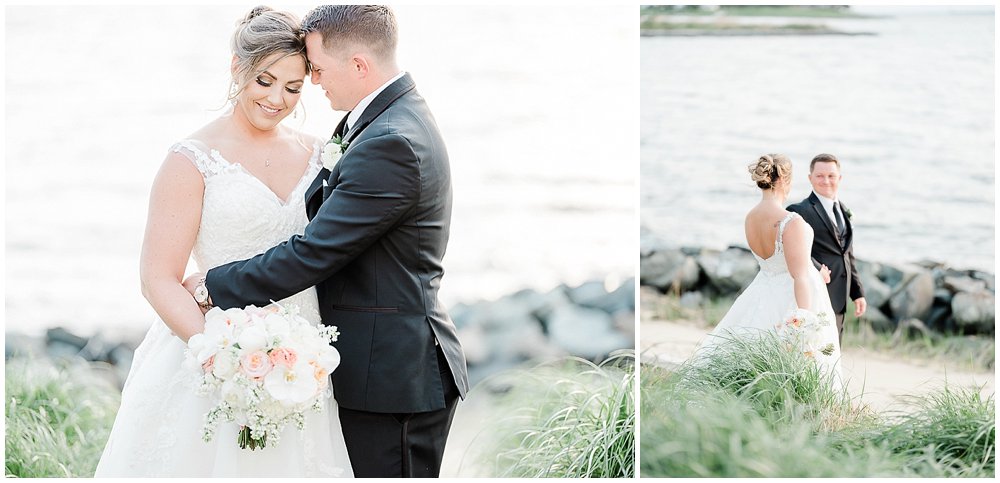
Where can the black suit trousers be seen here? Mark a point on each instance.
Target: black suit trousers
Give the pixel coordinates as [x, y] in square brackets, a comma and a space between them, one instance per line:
[395, 445]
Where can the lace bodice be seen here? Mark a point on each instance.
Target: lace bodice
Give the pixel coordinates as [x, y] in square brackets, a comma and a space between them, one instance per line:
[776, 264]
[241, 217]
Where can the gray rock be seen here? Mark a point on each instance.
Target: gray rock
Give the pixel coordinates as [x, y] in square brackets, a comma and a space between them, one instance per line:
[914, 328]
[890, 274]
[913, 299]
[877, 292]
[987, 277]
[729, 271]
[962, 284]
[691, 300]
[878, 320]
[975, 311]
[21, 345]
[474, 344]
[586, 333]
[595, 295]
[669, 270]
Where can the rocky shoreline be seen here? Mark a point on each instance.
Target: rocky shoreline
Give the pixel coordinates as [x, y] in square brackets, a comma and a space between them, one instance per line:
[589, 321]
[925, 297]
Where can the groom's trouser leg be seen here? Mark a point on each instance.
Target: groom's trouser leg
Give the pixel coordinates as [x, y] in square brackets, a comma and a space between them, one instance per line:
[840, 328]
[383, 445]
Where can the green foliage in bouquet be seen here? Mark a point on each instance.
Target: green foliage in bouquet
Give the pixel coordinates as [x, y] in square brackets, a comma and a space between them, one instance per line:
[57, 418]
[564, 419]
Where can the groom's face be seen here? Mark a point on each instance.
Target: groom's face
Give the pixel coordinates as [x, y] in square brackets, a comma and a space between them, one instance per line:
[825, 178]
[334, 75]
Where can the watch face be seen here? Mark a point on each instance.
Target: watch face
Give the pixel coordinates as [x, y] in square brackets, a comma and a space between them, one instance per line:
[201, 294]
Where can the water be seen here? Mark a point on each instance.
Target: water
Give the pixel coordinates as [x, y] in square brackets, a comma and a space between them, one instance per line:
[909, 112]
[544, 183]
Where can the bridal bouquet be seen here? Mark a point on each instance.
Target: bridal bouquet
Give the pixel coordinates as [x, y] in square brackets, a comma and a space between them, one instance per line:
[265, 367]
[803, 329]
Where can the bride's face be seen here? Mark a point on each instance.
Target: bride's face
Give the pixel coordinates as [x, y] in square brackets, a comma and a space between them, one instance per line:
[273, 93]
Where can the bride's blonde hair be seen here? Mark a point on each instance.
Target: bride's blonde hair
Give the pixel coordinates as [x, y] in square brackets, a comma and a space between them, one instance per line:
[769, 168]
[262, 33]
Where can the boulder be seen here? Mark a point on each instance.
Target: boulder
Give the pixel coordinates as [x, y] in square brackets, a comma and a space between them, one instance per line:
[669, 271]
[974, 312]
[878, 320]
[914, 297]
[877, 292]
[962, 284]
[587, 333]
[729, 271]
[914, 328]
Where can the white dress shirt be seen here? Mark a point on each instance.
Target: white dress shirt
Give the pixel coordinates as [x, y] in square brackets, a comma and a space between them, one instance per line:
[828, 206]
[363, 104]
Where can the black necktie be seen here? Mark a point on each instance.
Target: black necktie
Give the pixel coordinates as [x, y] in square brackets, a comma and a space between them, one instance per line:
[840, 221]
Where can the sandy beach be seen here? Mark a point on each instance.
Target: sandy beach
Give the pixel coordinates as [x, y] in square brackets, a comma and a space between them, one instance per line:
[880, 380]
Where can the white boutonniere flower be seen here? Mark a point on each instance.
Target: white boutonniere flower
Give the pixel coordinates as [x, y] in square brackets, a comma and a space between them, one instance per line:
[332, 151]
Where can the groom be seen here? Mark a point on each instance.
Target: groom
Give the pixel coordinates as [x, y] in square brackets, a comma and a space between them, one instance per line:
[379, 222]
[833, 236]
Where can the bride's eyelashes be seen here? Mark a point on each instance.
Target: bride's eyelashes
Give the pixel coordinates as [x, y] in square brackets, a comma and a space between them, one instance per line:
[265, 83]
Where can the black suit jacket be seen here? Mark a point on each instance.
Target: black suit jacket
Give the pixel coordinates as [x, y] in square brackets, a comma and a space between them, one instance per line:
[373, 248]
[827, 250]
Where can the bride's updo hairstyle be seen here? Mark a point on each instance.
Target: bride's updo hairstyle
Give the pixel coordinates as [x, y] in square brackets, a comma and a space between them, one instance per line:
[769, 168]
[262, 33]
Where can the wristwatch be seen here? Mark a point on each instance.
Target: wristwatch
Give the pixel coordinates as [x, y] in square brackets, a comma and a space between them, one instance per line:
[201, 294]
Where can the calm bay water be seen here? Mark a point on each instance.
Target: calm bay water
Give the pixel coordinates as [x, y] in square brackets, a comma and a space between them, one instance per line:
[909, 111]
[96, 95]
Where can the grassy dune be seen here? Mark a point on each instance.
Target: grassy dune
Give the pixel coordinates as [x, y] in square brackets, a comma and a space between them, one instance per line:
[753, 409]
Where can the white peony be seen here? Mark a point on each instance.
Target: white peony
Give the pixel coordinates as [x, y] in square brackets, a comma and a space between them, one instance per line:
[253, 338]
[291, 385]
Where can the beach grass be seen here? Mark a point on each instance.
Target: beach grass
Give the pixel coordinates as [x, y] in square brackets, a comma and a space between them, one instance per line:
[967, 352]
[58, 417]
[752, 409]
[563, 419]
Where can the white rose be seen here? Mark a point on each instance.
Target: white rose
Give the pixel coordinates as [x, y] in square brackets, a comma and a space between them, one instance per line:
[225, 364]
[253, 338]
[331, 154]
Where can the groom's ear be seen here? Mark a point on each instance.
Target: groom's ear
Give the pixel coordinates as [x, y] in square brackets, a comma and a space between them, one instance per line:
[361, 65]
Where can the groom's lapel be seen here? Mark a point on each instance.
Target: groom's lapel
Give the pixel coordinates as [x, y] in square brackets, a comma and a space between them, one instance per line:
[818, 206]
[380, 103]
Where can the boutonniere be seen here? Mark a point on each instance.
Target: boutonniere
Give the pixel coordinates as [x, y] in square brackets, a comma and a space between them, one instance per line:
[849, 213]
[333, 150]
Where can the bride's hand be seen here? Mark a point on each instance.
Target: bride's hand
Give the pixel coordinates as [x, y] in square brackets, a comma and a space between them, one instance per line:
[824, 272]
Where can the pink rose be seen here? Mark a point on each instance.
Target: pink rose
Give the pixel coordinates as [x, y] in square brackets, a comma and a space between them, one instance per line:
[283, 356]
[209, 364]
[320, 374]
[256, 365]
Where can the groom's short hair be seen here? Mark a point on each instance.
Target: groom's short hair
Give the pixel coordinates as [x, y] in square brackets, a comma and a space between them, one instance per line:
[373, 26]
[823, 158]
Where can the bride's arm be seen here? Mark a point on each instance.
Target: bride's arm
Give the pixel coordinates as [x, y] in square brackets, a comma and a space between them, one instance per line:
[171, 228]
[798, 249]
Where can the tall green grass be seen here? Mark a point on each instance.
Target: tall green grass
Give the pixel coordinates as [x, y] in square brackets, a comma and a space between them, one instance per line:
[565, 419]
[57, 418]
[752, 409]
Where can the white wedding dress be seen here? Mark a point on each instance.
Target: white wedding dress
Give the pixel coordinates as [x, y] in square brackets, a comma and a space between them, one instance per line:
[158, 429]
[770, 298]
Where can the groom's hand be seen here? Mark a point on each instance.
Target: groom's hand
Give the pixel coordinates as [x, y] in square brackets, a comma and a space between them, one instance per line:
[860, 305]
[824, 272]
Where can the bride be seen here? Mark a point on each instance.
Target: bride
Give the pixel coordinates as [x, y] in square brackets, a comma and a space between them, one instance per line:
[231, 190]
[781, 242]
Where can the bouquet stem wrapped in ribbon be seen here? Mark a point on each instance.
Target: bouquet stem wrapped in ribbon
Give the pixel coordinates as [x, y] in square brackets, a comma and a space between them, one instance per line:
[264, 367]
